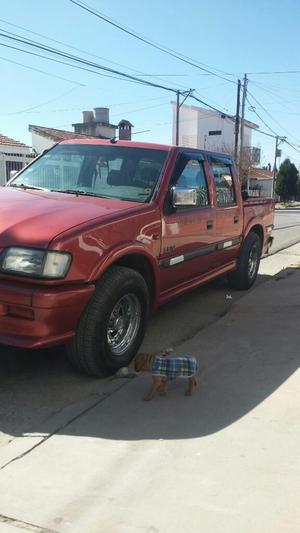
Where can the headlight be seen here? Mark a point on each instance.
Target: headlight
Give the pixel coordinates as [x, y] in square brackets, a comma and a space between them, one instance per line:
[35, 263]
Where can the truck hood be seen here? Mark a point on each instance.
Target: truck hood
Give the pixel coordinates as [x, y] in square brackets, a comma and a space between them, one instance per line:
[34, 218]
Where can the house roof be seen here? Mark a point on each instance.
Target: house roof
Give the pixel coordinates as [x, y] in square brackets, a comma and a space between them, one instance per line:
[7, 141]
[259, 174]
[57, 135]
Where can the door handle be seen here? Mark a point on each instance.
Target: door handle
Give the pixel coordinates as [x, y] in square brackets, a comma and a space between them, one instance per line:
[235, 219]
[209, 224]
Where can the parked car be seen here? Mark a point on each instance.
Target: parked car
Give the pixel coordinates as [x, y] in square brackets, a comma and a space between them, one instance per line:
[95, 235]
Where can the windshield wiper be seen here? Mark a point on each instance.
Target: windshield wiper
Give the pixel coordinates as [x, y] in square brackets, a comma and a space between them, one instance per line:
[23, 186]
[79, 192]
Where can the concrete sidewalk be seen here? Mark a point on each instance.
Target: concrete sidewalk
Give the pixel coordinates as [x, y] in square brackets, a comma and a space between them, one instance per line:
[225, 460]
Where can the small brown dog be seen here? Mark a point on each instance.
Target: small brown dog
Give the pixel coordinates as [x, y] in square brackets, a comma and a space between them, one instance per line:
[165, 368]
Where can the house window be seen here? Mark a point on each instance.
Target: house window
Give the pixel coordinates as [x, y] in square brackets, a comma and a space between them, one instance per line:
[12, 165]
[215, 132]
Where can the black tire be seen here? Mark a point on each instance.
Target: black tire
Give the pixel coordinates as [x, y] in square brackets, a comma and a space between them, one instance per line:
[248, 263]
[94, 349]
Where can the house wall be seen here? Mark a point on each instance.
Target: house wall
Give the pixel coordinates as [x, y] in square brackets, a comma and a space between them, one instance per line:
[105, 131]
[41, 143]
[95, 129]
[195, 125]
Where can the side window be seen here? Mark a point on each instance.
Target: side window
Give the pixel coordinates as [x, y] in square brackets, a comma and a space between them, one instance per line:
[223, 183]
[193, 177]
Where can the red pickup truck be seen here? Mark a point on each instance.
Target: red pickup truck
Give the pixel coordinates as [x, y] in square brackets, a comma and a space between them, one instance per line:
[96, 234]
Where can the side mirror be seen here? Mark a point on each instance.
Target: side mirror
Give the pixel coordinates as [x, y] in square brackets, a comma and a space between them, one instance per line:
[183, 197]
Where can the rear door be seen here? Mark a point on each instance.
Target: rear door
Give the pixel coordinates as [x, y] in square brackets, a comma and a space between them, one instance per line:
[229, 210]
[188, 234]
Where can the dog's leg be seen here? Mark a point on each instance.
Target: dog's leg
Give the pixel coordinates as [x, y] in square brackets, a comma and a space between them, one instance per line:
[157, 381]
[164, 387]
[191, 385]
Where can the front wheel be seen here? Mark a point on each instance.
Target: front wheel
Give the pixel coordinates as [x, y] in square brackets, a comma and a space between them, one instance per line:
[248, 263]
[113, 324]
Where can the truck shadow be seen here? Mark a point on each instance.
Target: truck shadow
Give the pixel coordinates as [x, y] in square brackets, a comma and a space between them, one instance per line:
[40, 392]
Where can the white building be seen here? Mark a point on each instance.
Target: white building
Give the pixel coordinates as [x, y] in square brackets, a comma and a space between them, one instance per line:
[14, 155]
[209, 130]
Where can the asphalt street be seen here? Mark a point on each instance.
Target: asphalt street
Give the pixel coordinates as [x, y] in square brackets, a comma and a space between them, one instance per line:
[287, 228]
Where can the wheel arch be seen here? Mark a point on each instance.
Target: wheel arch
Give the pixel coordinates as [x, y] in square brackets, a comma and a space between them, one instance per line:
[140, 261]
[258, 229]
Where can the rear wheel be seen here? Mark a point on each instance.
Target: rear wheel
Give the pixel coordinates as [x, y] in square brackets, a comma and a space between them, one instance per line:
[113, 324]
[248, 263]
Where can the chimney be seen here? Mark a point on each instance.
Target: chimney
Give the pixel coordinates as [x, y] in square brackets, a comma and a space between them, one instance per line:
[125, 130]
[87, 116]
[101, 114]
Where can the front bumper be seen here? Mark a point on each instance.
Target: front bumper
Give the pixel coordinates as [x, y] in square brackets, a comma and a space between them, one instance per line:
[32, 317]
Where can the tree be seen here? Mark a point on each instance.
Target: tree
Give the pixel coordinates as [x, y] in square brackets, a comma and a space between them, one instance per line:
[245, 165]
[286, 182]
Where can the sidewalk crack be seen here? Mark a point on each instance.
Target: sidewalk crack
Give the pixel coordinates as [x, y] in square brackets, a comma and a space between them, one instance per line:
[25, 525]
[66, 424]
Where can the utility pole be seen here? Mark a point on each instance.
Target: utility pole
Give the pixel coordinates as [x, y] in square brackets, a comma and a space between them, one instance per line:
[237, 121]
[177, 117]
[278, 141]
[275, 161]
[243, 120]
[186, 94]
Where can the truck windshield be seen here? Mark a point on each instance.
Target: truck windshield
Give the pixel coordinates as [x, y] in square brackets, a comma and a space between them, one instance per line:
[125, 173]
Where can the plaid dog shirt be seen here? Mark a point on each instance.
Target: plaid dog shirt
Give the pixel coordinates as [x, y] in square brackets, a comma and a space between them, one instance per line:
[174, 367]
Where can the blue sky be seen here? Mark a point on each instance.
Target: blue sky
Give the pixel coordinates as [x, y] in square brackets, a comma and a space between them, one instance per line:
[229, 35]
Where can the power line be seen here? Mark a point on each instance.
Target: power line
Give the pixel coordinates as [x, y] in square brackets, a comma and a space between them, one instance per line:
[272, 118]
[263, 73]
[41, 71]
[277, 97]
[253, 109]
[292, 146]
[65, 93]
[62, 62]
[163, 49]
[88, 53]
[68, 45]
[81, 60]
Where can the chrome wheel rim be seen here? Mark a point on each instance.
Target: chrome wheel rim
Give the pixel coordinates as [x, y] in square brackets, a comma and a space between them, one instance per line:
[123, 324]
[253, 261]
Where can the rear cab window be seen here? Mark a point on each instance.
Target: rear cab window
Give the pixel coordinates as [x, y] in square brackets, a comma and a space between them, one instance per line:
[224, 183]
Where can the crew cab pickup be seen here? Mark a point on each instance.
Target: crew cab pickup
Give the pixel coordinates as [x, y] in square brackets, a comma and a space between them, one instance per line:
[94, 235]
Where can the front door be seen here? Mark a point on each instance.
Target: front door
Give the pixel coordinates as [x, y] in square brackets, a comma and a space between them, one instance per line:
[188, 234]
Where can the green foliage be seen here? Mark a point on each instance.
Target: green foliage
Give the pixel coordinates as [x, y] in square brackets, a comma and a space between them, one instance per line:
[287, 178]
